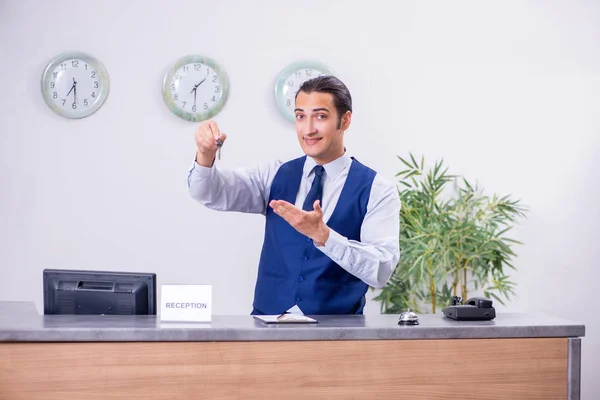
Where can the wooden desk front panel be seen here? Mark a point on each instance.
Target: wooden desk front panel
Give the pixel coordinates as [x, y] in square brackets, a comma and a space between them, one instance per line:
[359, 369]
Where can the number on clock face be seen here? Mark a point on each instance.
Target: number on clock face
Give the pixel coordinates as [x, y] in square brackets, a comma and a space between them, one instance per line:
[74, 85]
[195, 88]
[293, 83]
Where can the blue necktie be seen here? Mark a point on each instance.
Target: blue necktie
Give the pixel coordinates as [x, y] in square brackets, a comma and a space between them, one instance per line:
[316, 189]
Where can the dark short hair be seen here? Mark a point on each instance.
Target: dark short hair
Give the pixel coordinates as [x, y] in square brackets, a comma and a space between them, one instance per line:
[330, 84]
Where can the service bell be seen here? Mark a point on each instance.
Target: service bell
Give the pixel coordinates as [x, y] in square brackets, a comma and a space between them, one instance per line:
[408, 318]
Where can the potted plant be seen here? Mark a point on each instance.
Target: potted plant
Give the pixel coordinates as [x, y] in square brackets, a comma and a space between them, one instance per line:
[452, 241]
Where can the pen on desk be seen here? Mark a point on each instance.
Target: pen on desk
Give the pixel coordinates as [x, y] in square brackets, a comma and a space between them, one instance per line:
[282, 315]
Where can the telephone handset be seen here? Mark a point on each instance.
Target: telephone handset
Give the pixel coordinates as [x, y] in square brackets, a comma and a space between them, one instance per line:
[480, 302]
[475, 309]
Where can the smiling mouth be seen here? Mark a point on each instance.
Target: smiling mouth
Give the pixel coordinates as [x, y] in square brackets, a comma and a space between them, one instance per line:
[311, 141]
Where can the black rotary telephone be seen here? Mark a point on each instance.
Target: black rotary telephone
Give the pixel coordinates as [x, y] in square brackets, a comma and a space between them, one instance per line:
[476, 309]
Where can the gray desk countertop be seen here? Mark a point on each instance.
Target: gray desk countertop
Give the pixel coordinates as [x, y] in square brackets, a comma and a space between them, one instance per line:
[20, 322]
[21, 308]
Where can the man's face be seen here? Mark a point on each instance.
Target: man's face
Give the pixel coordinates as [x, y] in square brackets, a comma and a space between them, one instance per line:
[317, 126]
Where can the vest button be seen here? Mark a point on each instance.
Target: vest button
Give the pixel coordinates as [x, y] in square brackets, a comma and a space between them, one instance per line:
[304, 258]
[297, 299]
[301, 279]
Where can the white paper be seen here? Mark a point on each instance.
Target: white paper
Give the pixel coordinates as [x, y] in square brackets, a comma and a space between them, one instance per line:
[295, 310]
[286, 318]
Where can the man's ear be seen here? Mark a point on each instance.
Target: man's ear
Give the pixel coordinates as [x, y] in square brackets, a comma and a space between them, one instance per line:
[346, 119]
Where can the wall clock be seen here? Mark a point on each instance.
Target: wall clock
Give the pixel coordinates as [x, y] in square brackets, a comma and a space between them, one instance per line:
[75, 84]
[195, 88]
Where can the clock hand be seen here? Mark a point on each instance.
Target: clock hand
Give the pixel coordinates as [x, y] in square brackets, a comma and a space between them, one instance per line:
[75, 90]
[195, 89]
[72, 87]
[200, 83]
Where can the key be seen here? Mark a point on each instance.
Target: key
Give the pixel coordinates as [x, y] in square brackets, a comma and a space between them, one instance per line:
[219, 145]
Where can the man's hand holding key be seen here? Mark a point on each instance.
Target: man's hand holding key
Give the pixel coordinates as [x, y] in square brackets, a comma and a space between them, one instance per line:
[209, 140]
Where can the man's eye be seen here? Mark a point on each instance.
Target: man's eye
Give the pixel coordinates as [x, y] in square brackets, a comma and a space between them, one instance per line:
[299, 116]
[321, 116]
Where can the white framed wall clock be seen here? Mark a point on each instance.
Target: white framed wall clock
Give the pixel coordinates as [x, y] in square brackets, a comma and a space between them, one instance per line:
[75, 84]
[289, 81]
[195, 88]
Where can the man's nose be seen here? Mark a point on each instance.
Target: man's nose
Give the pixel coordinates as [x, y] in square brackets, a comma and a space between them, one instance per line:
[310, 127]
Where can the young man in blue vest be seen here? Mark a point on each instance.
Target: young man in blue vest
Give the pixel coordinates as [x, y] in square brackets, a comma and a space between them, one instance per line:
[332, 224]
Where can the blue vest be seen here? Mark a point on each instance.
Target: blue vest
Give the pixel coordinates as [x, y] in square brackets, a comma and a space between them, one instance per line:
[292, 270]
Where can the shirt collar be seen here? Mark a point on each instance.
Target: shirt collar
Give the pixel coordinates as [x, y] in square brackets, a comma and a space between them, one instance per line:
[332, 169]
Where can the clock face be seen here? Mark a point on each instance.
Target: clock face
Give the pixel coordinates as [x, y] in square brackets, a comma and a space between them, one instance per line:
[75, 85]
[289, 81]
[195, 88]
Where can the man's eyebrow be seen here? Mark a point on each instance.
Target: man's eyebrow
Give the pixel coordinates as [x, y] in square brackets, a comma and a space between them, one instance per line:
[314, 109]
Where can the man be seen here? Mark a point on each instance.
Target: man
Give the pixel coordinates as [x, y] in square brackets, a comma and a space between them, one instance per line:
[332, 224]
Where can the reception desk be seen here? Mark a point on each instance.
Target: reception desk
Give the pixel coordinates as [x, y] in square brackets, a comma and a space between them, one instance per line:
[515, 356]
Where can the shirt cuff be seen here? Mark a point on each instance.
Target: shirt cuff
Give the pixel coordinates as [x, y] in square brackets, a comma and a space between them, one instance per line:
[334, 246]
[201, 171]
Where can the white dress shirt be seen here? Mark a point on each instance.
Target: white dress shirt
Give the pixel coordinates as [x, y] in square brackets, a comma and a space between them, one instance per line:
[372, 260]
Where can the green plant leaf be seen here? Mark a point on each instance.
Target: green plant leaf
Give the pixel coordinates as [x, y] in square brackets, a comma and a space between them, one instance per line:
[405, 163]
[416, 165]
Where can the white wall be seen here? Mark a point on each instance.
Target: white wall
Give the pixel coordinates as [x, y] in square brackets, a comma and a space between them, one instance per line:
[507, 93]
